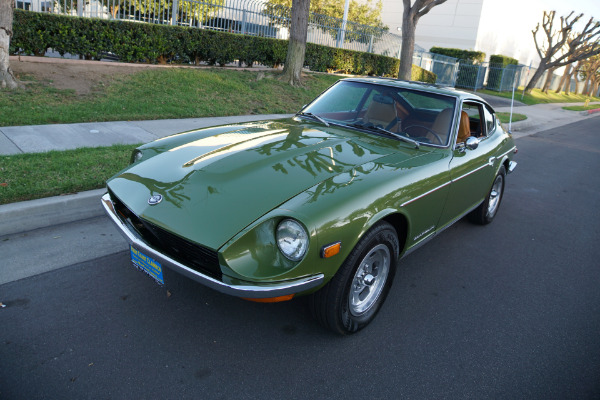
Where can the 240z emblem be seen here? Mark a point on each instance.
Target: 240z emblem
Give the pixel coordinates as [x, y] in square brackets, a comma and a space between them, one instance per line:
[154, 200]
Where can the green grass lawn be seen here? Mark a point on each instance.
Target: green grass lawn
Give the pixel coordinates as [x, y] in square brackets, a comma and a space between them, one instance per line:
[583, 108]
[33, 176]
[537, 96]
[160, 94]
[505, 117]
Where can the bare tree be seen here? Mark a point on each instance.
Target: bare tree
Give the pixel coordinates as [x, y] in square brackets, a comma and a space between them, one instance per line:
[591, 72]
[565, 82]
[570, 72]
[565, 77]
[294, 60]
[410, 17]
[7, 78]
[562, 47]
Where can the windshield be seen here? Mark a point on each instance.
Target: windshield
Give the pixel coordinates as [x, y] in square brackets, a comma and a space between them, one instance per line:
[422, 116]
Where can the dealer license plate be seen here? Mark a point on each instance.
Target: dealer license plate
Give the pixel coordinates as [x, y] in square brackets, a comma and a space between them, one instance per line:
[147, 264]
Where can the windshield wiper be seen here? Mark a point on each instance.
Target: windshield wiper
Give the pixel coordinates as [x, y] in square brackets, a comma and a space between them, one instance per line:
[311, 115]
[390, 133]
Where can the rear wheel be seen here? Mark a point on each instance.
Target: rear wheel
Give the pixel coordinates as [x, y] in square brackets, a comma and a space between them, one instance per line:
[485, 213]
[352, 298]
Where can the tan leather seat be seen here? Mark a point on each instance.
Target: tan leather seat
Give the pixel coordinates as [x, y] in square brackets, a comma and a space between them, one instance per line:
[464, 128]
[381, 112]
[441, 126]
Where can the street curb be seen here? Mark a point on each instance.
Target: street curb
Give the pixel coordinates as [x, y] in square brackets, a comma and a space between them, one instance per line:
[35, 214]
[588, 112]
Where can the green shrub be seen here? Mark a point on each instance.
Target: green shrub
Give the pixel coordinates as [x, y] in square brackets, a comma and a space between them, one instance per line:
[496, 59]
[35, 33]
[497, 67]
[475, 56]
[469, 61]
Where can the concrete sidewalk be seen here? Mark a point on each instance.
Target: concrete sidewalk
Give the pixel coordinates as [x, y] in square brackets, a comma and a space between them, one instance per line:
[541, 117]
[41, 138]
[29, 215]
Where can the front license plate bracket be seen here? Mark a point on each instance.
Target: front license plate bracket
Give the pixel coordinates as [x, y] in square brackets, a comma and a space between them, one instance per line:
[147, 264]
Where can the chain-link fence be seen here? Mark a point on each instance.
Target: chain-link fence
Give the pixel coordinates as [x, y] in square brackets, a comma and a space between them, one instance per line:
[475, 76]
[443, 66]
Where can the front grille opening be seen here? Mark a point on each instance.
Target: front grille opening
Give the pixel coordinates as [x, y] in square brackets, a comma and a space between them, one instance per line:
[190, 254]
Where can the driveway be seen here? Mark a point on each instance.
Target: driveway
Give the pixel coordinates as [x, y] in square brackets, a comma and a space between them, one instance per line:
[496, 101]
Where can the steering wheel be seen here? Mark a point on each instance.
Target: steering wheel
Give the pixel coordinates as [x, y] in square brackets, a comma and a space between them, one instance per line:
[437, 137]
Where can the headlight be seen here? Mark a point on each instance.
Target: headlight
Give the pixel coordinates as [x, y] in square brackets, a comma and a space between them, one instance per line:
[292, 239]
[136, 156]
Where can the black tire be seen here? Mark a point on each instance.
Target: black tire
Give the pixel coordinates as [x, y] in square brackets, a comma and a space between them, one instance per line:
[485, 213]
[351, 299]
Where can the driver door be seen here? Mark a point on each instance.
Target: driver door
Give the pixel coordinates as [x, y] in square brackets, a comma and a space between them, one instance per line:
[471, 170]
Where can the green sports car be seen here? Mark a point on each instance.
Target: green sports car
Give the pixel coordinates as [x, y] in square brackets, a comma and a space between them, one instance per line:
[322, 204]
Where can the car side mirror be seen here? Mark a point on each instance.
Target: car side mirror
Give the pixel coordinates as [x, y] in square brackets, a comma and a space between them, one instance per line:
[472, 143]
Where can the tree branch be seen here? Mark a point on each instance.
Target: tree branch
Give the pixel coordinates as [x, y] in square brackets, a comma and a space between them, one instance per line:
[428, 5]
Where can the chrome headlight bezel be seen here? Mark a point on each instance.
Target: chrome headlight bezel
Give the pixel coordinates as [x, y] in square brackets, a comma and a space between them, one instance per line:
[292, 239]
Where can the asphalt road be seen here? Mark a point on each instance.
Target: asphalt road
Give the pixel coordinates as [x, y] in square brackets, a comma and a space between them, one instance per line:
[510, 311]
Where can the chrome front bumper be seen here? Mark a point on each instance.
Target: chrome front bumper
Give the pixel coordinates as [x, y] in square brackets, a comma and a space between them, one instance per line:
[236, 287]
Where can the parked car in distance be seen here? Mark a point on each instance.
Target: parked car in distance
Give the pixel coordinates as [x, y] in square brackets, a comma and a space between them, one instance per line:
[322, 204]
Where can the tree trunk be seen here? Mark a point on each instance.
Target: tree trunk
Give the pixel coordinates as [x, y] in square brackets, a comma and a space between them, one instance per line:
[567, 87]
[548, 82]
[536, 77]
[7, 78]
[566, 77]
[408, 48]
[574, 73]
[586, 88]
[294, 60]
[594, 90]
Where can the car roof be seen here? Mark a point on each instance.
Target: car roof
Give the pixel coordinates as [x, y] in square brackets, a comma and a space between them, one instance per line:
[428, 87]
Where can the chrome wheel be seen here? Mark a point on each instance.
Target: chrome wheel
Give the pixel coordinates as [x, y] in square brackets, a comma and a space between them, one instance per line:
[495, 196]
[352, 298]
[369, 280]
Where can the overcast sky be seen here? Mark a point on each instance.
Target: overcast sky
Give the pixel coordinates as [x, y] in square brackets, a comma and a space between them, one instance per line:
[590, 8]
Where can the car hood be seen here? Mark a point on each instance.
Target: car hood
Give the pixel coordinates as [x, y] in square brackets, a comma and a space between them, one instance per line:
[213, 187]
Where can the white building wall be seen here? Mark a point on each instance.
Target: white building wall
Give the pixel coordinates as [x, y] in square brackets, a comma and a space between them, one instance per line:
[452, 24]
[492, 26]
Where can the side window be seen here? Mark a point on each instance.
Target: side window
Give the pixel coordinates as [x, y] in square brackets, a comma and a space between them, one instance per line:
[490, 122]
[475, 112]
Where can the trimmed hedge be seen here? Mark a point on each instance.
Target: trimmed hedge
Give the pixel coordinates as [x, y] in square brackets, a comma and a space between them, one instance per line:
[502, 61]
[497, 64]
[467, 76]
[35, 33]
[475, 56]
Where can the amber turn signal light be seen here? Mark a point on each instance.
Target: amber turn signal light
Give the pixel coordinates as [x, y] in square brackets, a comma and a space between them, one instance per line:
[331, 250]
[271, 299]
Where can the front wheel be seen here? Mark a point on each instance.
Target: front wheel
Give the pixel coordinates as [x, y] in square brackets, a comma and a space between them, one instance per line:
[352, 298]
[485, 213]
